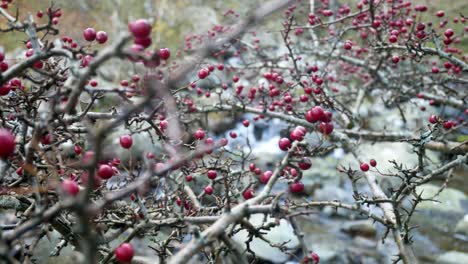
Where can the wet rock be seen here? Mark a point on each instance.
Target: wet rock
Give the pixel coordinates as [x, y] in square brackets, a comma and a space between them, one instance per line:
[452, 257]
[462, 226]
[364, 228]
[449, 200]
[423, 247]
[280, 234]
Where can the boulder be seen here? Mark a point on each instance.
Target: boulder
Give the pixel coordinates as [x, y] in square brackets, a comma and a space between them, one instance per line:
[452, 257]
[282, 233]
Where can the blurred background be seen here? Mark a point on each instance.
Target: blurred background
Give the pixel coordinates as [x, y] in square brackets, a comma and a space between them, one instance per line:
[337, 236]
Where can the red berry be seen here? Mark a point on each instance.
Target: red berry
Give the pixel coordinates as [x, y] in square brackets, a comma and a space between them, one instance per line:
[101, 37]
[326, 128]
[440, 13]
[89, 34]
[189, 178]
[393, 39]
[140, 28]
[373, 163]
[124, 83]
[246, 123]
[327, 116]
[223, 142]
[70, 187]
[126, 141]
[296, 187]
[164, 124]
[297, 134]
[124, 253]
[105, 171]
[435, 69]
[266, 176]
[248, 194]
[314, 114]
[164, 53]
[77, 149]
[448, 124]
[212, 174]
[199, 134]
[5, 89]
[315, 258]
[144, 42]
[305, 164]
[7, 143]
[135, 78]
[284, 144]
[209, 190]
[3, 66]
[433, 119]
[449, 32]
[348, 45]
[364, 166]
[233, 134]
[203, 73]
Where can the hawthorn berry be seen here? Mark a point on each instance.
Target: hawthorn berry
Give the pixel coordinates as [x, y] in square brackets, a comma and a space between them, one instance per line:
[373, 163]
[296, 187]
[140, 28]
[105, 171]
[315, 258]
[305, 163]
[348, 45]
[440, 13]
[233, 134]
[364, 166]
[126, 141]
[208, 190]
[248, 194]
[266, 176]
[284, 144]
[326, 128]
[164, 53]
[89, 34]
[297, 134]
[199, 134]
[203, 73]
[433, 119]
[101, 37]
[144, 42]
[7, 143]
[77, 149]
[212, 174]
[5, 89]
[314, 114]
[124, 253]
[70, 187]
